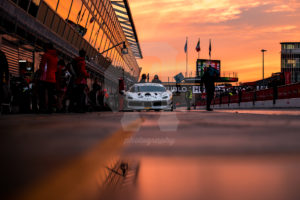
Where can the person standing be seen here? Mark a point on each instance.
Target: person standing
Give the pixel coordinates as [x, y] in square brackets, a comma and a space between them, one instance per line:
[4, 76]
[106, 98]
[81, 80]
[71, 87]
[209, 78]
[48, 68]
[94, 94]
[188, 98]
[61, 84]
[143, 79]
[156, 79]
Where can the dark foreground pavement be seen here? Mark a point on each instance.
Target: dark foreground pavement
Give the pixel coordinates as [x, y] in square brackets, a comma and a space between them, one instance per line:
[176, 155]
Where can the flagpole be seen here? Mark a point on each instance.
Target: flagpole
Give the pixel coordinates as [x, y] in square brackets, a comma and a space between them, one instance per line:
[199, 50]
[209, 52]
[186, 67]
[209, 49]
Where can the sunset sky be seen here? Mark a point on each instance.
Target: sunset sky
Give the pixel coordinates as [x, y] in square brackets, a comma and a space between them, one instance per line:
[239, 29]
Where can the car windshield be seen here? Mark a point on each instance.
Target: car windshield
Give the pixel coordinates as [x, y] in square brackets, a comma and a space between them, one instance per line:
[147, 88]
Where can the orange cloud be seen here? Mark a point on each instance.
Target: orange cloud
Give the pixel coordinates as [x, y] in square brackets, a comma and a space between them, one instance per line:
[238, 29]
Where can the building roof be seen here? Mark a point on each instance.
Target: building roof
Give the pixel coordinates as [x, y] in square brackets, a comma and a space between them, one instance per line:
[124, 16]
[289, 42]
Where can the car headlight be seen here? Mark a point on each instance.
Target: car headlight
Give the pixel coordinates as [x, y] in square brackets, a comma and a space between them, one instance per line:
[129, 97]
[165, 97]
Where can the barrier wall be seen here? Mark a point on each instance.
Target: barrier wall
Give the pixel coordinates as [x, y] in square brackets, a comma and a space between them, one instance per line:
[282, 96]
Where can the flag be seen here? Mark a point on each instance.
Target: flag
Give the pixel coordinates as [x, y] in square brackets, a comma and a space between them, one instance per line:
[209, 47]
[185, 46]
[198, 46]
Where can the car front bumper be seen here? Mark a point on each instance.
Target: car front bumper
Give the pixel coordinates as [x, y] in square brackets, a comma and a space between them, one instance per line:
[149, 105]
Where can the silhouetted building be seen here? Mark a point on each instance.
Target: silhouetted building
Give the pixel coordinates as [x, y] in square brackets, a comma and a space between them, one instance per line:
[290, 61]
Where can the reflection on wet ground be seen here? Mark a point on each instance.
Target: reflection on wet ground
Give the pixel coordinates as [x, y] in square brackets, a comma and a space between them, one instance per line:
[170, 155]
[226, 178]
[218, 156]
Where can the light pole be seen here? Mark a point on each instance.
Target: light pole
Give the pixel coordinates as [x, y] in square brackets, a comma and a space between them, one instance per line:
[263, 65]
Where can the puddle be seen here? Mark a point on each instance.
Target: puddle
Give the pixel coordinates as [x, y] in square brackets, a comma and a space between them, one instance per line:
[215, 178]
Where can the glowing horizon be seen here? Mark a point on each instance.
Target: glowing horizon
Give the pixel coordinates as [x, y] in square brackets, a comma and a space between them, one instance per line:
[238, 29]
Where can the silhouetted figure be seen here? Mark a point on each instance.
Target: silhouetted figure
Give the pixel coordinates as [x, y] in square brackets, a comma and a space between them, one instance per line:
[188, 98]
[48, 68]
[94, 94]
[209, 78]
[156, 79]
[143, 79]
[106, 98]
[80, 81]
[24, 95]
[71, 87]
[4, 76]
[62, 79]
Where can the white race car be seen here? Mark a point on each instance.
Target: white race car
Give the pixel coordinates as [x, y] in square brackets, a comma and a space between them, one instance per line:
[148, 96]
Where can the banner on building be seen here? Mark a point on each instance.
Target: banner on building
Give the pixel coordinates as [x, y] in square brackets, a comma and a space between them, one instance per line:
[196, 89]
